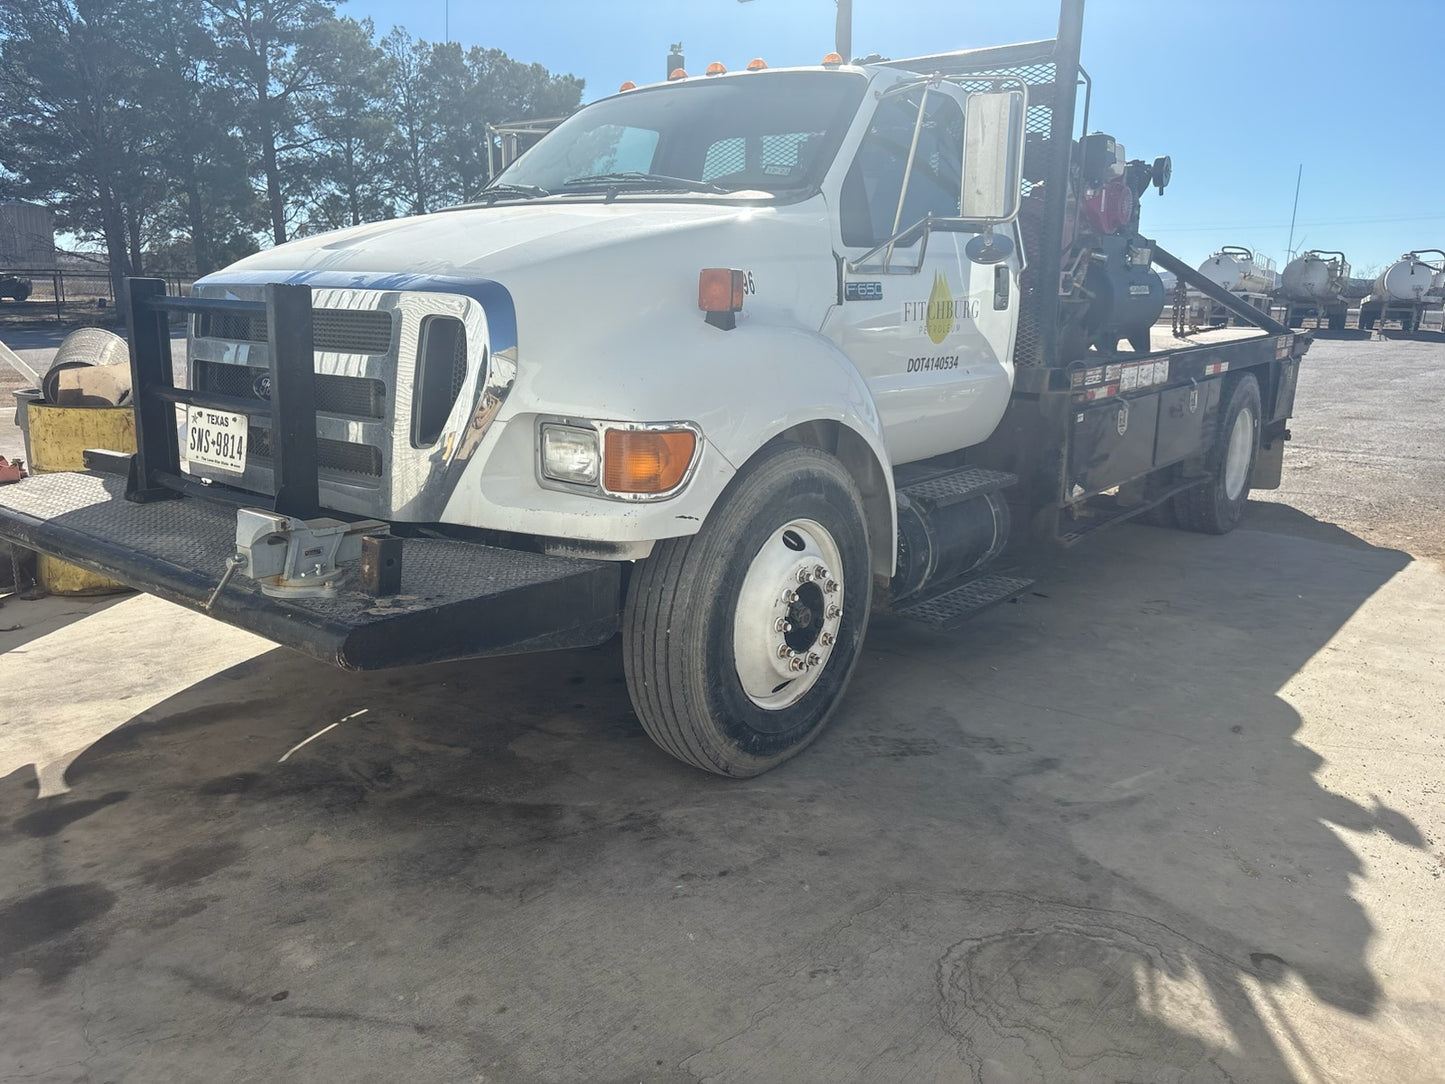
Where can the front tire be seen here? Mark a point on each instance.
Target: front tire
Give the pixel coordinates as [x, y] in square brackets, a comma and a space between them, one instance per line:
[1217, 506]
[738, 642]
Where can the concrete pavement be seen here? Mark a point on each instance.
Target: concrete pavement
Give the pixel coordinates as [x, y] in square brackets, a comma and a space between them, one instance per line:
[1174, 816]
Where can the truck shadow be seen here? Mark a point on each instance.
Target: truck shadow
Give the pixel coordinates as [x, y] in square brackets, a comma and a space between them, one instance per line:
[1085, 838]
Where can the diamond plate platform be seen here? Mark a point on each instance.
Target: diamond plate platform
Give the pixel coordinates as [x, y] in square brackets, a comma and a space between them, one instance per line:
[955, 486]
[457, 599]
[951, 607]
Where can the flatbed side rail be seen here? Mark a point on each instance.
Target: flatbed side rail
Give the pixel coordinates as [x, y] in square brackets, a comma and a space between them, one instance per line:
[155, 470]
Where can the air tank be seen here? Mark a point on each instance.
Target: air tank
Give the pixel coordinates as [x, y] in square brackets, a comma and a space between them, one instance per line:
[1407, 279]
[1239, 271]
[1315, 277]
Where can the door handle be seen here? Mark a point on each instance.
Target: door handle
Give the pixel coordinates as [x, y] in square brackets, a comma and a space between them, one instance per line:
[1000, 287]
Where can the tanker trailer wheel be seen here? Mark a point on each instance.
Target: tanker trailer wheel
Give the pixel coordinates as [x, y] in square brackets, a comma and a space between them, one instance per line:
[1337, 319]
[1217, 506]
[739, 641]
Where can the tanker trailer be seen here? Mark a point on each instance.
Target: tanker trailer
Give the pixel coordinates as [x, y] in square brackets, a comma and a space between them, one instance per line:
[1316, 284]
[1245, 274]
[1405, 290]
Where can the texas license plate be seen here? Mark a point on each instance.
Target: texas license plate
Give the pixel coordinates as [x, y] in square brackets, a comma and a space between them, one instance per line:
[216, 439]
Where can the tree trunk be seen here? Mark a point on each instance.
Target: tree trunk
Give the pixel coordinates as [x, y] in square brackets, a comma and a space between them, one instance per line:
[132, 230]
[268, 158]
[113, 225]
[195, 216]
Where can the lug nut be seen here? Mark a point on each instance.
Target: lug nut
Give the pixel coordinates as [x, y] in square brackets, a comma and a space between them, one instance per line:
[804, 575]
[782, 624]
[796, 664]
[791, 597]
[834, 612]
[784, 651]
[831, 587]
[814, 658]
[819, 572]
[826, 639]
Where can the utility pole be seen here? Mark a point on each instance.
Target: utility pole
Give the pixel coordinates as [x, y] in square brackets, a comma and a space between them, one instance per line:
[1289, 248]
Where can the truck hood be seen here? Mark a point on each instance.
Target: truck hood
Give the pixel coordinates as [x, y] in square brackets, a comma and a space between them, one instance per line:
[486, 242]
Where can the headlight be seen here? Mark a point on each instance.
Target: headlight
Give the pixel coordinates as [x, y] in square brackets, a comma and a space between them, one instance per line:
[570, 454]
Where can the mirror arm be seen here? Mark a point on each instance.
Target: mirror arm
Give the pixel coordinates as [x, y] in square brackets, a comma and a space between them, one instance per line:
[924, 226]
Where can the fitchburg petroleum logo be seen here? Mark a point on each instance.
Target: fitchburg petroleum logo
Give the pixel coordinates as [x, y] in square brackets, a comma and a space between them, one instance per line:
[942, 314]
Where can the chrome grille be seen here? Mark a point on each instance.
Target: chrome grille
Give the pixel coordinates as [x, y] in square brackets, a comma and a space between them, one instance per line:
[353, 396]
[340, 331]
[331, 455]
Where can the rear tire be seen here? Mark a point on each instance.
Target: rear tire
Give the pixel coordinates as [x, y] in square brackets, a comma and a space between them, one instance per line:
[1337, 320]
[1217, 506]
[737, 648]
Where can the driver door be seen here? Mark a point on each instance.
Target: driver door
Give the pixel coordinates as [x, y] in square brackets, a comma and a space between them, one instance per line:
[931, 332]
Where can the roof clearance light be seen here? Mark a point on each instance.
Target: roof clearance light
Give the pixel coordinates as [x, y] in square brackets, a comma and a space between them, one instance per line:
[629, 85]
[757, 64]
[832, 60]
[677, 73]
[716, 68]
[647, 460]
[720, 289]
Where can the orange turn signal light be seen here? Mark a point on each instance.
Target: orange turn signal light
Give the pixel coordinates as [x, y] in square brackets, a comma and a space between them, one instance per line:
[646, 460]
[716, 68]
[720, 289]
[832, 58]
[629, 85]
[677, 73]
[757, 64]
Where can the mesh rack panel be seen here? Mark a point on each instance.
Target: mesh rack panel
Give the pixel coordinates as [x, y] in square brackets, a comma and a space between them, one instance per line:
[352, 396]
[341, 331]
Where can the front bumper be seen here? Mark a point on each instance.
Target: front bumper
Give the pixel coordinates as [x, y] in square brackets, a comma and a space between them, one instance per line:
[458, 599]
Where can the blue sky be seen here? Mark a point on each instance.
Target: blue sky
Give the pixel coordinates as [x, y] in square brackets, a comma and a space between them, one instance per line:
[1240, 92]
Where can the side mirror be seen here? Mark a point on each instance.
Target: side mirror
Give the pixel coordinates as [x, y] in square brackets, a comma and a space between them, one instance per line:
[993, 143]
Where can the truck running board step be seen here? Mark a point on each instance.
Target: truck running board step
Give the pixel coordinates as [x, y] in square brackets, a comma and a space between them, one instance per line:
[953, 606]
[953, 486]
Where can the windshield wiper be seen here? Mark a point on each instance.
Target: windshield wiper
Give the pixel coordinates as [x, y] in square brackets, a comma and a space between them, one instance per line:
[654, 180]
[494, 192]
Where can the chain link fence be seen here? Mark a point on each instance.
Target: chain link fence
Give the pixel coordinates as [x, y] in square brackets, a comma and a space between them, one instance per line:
[66, 296]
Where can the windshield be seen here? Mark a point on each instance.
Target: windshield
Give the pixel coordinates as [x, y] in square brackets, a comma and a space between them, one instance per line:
[774, 132]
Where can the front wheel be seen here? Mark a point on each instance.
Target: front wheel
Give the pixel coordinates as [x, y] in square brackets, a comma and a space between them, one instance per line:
[739, 641]
[1217, 506]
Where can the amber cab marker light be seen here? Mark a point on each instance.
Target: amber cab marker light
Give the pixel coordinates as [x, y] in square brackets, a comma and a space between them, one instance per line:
[677, 73]
[629, 85]
[757, 64]
[716, 68]
[832, 59]
[720, 289]
[646, 461]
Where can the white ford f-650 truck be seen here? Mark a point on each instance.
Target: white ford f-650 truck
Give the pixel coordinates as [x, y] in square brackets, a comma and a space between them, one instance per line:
[722, 365]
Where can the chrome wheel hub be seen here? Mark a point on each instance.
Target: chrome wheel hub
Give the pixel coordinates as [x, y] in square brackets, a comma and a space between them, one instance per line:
[788, 614]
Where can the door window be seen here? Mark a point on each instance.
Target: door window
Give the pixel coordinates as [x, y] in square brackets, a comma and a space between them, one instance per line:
[871, 190]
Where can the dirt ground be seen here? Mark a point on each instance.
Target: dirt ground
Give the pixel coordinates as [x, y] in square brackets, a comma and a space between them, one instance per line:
[1175, 815]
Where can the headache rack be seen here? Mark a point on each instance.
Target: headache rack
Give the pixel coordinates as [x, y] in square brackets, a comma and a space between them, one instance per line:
[1052, 76]
[154, 471]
